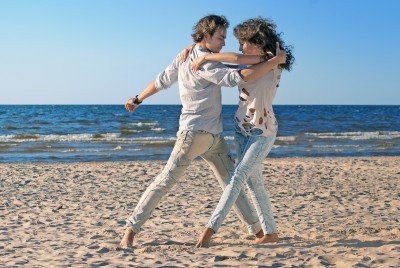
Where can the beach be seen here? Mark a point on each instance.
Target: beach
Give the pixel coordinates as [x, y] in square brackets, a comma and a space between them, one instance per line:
[329, 211]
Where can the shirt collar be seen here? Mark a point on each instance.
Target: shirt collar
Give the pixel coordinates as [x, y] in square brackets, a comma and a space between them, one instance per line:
[202, 49]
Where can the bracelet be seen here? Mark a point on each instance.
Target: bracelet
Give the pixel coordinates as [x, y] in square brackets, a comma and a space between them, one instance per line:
[136, 100]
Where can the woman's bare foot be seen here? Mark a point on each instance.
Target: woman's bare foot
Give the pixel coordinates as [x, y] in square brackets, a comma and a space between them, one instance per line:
[127, 240]
[205, 239]
[259, 234]
[268, 238]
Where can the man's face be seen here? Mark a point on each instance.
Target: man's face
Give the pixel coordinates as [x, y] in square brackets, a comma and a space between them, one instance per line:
[217, 41]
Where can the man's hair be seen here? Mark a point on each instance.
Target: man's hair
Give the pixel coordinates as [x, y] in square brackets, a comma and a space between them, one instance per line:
[208, 25]
[262, 33]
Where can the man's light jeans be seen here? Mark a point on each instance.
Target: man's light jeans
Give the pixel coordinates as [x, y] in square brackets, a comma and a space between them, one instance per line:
[190, 144]
[251, 152]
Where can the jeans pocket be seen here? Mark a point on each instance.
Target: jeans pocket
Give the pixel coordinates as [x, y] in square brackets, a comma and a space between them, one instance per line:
[181, 137]
[256, 132]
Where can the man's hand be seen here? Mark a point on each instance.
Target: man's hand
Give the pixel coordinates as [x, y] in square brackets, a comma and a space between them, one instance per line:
[130, 106]
[281, 54]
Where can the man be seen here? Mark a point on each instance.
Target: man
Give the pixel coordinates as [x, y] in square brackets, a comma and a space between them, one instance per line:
[200, 124]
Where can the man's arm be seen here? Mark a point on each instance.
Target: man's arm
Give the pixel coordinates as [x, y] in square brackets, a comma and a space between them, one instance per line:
[163, 81]
[130, 104]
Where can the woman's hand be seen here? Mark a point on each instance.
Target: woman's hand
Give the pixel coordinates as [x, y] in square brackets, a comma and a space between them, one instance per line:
[281, 54]
[197, 62]
[185, 53]
[270, 55]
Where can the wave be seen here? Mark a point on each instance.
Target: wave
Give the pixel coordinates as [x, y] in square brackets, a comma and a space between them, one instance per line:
[7, 146]
[337, 146]
[70, 150]
[305, 138]
[25, 136]
[144, 124]
[140, 127]
[10, 127]
[280, 138]
[84, 137]
[309, 137]
[373, 135]
[286, 138]
[100, 150]
[128, 131]
[41, 122]
[158, 129]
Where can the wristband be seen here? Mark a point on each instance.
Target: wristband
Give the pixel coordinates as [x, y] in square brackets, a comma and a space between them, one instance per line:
[136, 100]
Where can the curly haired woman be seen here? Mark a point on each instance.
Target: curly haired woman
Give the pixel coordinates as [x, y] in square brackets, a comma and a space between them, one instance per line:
[255, 123]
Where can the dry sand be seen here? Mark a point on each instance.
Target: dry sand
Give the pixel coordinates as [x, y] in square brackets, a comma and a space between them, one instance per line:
[329, 211]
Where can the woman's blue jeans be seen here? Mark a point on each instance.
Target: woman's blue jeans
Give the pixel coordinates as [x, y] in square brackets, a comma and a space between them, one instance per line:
[251, 151]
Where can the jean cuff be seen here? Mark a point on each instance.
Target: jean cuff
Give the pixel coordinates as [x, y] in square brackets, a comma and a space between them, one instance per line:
[254, 228]
[212, 227]
[131, 225]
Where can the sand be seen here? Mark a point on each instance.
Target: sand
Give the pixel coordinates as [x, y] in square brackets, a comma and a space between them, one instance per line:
[329, 211]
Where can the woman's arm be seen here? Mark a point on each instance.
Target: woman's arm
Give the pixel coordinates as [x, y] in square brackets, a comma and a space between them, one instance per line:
[263, 68]
[185, 53]
[227, 57]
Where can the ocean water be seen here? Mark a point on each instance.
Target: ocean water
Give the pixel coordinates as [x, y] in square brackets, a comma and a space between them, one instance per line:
[74, 133]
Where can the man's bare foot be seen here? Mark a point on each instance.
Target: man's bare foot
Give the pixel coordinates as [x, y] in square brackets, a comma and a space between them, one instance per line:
[205, 239]
[268, 238]
[127, 240]
[260, 234]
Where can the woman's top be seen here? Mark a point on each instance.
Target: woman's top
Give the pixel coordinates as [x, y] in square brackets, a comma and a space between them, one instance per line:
[255, 116]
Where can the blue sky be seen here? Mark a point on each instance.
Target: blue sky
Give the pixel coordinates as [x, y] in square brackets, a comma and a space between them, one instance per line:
[101, 52]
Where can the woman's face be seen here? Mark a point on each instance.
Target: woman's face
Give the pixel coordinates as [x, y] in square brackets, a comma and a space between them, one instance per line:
[249, 49]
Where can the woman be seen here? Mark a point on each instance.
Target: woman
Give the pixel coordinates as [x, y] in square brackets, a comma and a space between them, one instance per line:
[255, 124]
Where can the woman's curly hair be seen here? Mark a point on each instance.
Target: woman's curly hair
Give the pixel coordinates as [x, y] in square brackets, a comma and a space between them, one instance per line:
[262, 33]
[208, 25]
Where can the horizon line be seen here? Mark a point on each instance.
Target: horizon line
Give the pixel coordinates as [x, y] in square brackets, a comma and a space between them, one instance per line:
[178, 104]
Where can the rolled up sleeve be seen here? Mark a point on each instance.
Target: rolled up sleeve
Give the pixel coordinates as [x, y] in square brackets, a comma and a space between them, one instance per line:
[169, 76]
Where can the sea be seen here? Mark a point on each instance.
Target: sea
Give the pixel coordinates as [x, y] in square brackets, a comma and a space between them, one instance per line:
[86, 133]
